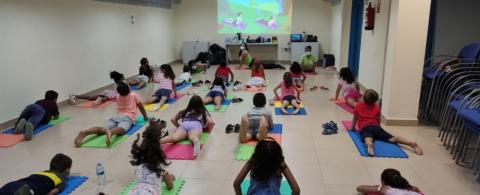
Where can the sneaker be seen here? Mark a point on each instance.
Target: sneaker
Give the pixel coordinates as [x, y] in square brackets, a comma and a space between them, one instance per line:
[72, 99]
[97, 102]
[333, 125]
[236, 128]
[28, 131]
[164, 133]
[229, 128]
[20, 126]
[196, 148]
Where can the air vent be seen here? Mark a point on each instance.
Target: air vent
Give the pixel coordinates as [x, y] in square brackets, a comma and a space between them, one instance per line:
[151, 3]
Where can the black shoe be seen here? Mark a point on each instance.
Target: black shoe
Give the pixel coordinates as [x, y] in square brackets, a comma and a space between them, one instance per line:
[237, 128]
[208, 82]
[229, 128]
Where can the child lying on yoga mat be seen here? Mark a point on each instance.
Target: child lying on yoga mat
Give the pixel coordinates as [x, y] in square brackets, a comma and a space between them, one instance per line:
[127, 104]
[49, 182]
[257, 121]
[150, 162]
[367, 114]
[190, 123]
[298, 76]
[224, 72]
[105, 95]
[392, 184]
[349, 87]
[258, 75]
[197, 67]
[217, 93]
[290, 95]
[167, 85]
[145, 74]
[39, 113]
[186, 76]
[266, 167]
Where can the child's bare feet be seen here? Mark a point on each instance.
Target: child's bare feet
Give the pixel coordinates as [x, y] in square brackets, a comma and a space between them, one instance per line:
[217, 108]
[370, 149]
[284, 111]
[79, 139]
[417, 148]
[108, 139]
[297, 110]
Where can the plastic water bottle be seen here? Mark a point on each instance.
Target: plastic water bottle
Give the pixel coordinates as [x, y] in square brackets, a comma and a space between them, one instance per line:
[101, 180]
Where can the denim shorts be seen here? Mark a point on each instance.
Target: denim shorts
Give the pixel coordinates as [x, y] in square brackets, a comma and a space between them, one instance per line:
[191, 125]
[121, 121]
[162, 93]
[143, 78]
[289, 98]
[214, 94]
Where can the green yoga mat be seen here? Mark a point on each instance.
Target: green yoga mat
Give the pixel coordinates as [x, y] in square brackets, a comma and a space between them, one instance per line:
[98, 141]
[203, 139]
[244, 152]
[177, 186]
[223, 108]
[284, 187]
[60, 119]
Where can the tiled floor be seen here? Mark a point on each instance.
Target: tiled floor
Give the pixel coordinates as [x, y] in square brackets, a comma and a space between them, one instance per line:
[321, 164]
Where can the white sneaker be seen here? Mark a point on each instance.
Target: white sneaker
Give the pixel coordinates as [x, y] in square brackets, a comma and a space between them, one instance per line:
[72, 99]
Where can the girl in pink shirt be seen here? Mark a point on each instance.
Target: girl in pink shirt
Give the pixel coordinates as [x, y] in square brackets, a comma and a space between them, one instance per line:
[393, 183]
[166, 83]
[105, 95]
[348, 85]
[290, 95]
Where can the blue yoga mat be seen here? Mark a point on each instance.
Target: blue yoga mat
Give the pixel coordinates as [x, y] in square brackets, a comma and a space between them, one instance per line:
[284, 187]
[381, 148]
[277, 128]
[73, 182]
[182, 86]
[278, 111]
[135, 87]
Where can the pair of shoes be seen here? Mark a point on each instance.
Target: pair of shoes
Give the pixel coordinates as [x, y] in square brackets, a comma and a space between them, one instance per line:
[237, 100]
[234, 128]
[72, 100]
[208, 82]
[330, 128]
[236, 83]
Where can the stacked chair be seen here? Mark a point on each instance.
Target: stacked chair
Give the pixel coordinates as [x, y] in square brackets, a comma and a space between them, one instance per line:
[450, 97]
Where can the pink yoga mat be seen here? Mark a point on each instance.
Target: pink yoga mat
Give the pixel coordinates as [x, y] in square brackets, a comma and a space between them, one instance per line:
[348, 125]
[88, 104]
[8, 140]
[179, 151]
[345, 106]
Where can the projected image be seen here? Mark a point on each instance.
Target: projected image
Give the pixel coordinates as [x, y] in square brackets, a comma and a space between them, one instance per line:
[254, 16]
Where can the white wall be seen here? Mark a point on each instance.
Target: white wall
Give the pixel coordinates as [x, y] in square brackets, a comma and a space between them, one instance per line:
[196, 20]
[459, 20]
[70, 45]
[340, 31]
[373, 48]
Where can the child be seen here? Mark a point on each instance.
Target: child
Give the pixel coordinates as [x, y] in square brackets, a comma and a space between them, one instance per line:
[290, 95]
[167, 85]
[392, 184]
[51, 181]
[223, 71]
[196, 67]
[245, 57]
[104, 96]
[266, 167]
[217, 93]
[186, 76]
[150, 162]
[190, 123]
[367, 114]
[145, 74]
[308, 60]
[257, 121]
[258, 75]
[349, 86]
[37, 114]
[298, 76]
[127, 104]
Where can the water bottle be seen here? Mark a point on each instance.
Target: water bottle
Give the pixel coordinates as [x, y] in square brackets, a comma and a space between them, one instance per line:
[101, 180]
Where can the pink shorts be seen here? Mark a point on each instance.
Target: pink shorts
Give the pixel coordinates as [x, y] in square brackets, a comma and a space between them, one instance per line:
[191, 125]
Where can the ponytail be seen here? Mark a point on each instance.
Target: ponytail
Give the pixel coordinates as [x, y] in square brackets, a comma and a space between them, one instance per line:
[394, 179]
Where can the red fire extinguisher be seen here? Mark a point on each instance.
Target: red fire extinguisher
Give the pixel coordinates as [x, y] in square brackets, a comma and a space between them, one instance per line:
[370, 17]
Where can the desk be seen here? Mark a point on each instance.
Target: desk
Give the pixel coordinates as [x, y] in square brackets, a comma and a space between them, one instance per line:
[251, 48]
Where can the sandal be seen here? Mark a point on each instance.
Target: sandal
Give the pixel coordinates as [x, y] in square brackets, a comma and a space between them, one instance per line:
[329, 132]
[229, 128]
[313, 88]
[324, 88]
[236, 128]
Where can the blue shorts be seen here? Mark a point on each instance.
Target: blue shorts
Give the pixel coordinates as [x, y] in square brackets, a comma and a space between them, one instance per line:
[121, 121]
[191, 125]
[162, 93]
[214, 94]
[289, 98]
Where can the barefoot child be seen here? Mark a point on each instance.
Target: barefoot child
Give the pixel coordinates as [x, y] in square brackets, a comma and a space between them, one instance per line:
[257, 121]
[266, 168]
[37, 114]
[290, 95]
[349, 87]
[298, 76]
[223, 71]
[217, 93]
[367, 114]
[190, 123]
[258, 76]
[167, 85]
[145, 74]
[186, 76]
[105, 95]
[150, 162]
[127, 104]
[48, 182]
[392, 184]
